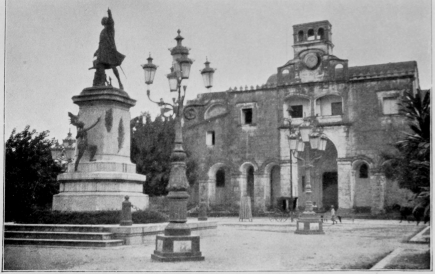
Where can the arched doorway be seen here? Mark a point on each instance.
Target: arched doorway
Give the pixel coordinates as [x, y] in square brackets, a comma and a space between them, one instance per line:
[323, 176]
[275, 188]
[330, 189]
[220, 186]
[250, 184]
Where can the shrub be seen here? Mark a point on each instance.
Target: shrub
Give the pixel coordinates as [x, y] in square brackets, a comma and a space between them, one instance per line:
[90, 218]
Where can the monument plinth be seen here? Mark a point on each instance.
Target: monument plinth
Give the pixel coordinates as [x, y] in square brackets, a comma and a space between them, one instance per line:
[103, 173]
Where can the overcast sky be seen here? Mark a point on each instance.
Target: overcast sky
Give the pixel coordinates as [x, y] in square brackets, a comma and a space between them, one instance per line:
[50, 46]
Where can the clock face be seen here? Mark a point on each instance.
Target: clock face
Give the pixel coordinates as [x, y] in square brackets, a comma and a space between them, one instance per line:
[311, 60]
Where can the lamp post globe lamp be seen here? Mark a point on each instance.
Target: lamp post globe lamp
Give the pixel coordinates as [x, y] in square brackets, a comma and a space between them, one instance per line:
[207, 74]
[150, 71]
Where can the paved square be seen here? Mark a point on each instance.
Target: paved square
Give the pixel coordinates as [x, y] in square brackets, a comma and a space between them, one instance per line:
[258, 246]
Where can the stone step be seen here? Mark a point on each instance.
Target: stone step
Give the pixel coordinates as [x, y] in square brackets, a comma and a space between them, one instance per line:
[58, 235]
[53, 228]
[59, 242]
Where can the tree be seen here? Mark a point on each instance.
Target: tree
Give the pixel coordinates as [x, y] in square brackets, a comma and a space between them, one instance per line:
[410, 163]
[30, 173]
[151, 147]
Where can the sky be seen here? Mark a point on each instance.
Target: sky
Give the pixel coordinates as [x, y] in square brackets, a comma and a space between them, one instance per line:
[49, 46]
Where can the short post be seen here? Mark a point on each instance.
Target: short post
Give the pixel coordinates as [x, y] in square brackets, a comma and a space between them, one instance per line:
[202, 214]
[126, 213]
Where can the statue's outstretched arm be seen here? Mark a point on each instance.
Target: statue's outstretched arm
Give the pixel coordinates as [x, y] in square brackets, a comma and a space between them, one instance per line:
[99, 118]
[110, 21]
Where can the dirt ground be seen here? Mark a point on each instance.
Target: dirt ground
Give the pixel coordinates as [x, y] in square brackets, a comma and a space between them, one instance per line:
[257, 247]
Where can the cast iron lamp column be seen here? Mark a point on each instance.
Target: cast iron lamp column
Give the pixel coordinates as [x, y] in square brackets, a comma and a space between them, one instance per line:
[177, 244]
[309, 222]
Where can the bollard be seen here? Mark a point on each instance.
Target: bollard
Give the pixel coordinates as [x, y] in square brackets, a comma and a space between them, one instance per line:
[126, 213]
[202, 213]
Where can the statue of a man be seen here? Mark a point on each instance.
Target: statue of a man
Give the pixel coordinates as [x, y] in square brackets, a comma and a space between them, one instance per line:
[107, 57]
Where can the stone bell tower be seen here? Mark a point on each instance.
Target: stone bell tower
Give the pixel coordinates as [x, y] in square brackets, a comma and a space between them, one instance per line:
[313, 60]
[314, 35]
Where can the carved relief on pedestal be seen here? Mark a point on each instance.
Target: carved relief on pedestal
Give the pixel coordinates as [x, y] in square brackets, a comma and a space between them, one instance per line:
[109, 119]
[121, 134]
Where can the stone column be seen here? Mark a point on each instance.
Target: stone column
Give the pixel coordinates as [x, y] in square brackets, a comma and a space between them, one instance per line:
[377, 182]
[285, 178]
[352, 188]
[236, 191]
[203, 191]
[211, 191]
[259, 189]
[344, 170]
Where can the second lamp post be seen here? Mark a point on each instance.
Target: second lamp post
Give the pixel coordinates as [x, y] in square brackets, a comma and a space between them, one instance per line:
[309, 222]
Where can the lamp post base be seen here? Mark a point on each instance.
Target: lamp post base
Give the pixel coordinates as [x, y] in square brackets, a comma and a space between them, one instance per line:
[177, 249]
[309, 223]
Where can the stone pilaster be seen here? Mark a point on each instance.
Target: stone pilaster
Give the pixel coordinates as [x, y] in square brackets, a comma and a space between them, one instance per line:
[260, 183]
[378, 184]
[203, 191]
[211, 191]
[352, 188]
[344, 169]
[285, 178]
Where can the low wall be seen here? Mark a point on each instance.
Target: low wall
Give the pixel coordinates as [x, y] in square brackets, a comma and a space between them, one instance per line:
[145, 233]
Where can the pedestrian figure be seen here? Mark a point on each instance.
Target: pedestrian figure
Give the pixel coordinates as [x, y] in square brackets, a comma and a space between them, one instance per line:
[333, 217]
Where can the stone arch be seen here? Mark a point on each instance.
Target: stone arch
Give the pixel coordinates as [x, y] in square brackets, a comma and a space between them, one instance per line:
[311, 35]
[214, 110]
[218, 193]
[245, 165]
[249, 182]
[321, 33]
[272, 181]
[329, 104]
[300, 36]
[297, 106]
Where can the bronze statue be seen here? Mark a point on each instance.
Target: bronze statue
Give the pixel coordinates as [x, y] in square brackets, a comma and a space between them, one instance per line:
[107, 57]
[82, 139]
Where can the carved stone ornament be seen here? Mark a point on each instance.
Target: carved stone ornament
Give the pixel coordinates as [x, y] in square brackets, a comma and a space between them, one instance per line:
[109, 119]
[121, 134]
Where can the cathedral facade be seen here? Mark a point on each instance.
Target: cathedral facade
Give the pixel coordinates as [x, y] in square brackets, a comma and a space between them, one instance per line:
[240, 139]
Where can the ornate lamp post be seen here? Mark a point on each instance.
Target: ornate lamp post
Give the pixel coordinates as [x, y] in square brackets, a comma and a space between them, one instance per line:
[309, 222]
[177, 244]
[63, 154]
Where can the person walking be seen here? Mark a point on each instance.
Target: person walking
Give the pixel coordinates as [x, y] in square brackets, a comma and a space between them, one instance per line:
[333, 217]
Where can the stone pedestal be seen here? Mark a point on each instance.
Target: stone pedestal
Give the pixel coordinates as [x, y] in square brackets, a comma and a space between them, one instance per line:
[102, 184]
[309, 224]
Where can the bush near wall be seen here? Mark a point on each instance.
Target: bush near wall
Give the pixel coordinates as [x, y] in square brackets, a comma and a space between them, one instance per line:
[91, 218]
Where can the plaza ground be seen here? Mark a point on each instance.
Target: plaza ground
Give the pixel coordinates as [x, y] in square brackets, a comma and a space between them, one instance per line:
[261, 245]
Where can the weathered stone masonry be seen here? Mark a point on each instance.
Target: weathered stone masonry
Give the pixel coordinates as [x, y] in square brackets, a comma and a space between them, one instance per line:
[242, 149]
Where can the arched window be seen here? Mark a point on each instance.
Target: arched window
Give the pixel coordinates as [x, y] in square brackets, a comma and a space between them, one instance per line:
[363, 171]
[220, 178]
[300, 36]
[321, 34]
[310, 35]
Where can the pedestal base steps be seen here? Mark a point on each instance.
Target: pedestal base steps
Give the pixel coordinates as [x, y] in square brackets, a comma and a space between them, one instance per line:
[95, 235]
